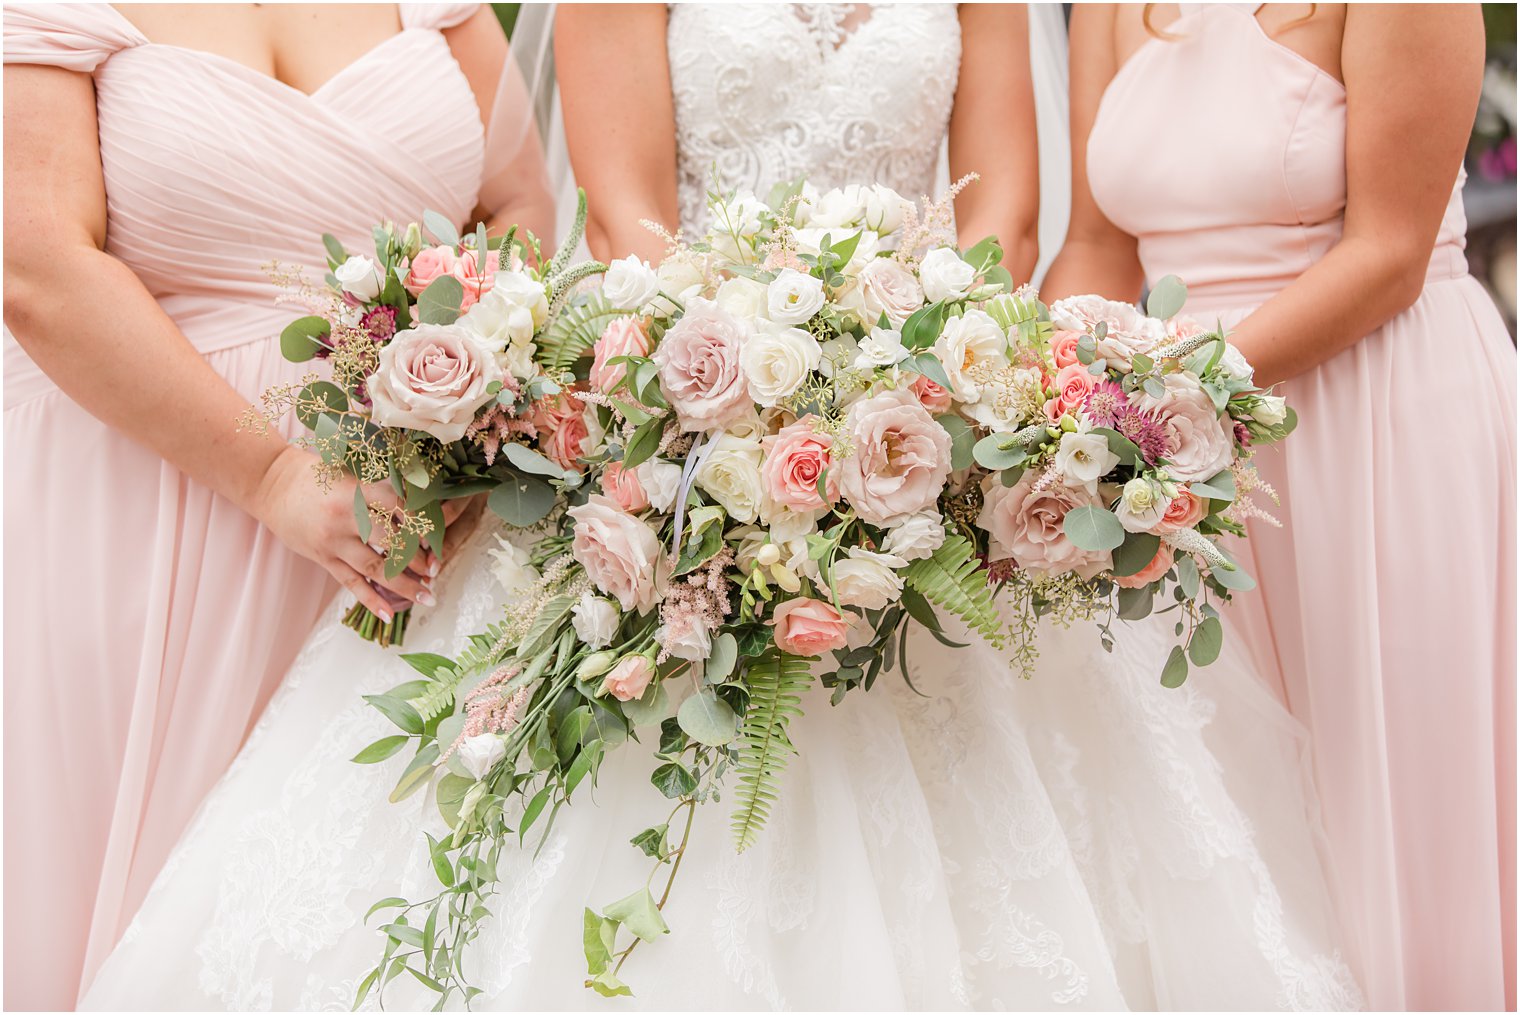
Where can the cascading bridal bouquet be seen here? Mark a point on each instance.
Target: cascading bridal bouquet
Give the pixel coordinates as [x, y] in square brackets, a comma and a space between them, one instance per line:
[816, 423]
[434, 387]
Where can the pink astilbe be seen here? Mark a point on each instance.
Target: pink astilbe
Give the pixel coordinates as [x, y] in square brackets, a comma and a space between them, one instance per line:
[497, 425]
[489, 708]
[700, 599]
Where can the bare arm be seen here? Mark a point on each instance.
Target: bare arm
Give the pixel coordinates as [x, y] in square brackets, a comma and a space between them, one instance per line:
[516, 189]
[110, 347]
[1098, 256]
[614, 80]
[992, 133]
[1413, 74]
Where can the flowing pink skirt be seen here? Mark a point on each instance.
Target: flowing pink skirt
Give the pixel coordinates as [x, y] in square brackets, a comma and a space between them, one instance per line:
[147, 622]
[1386, 611]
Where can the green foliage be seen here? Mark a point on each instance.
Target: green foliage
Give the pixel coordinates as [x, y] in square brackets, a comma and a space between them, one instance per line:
[776, 683]
[572, 334]
[954, 580]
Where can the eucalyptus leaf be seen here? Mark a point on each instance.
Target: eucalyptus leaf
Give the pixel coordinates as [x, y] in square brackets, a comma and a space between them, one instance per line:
[304, 337]
[528, 460]
[649, 709]
[522, 501]
[708, 719]
[440, 301]
[1090, 527]
[999, 451]
[328, 393]
[1175, 672]
[962, 440]
[1220, 487]
[929, 365]
[1166, 298]
[1187, 575]
[1135, 604]
[721, 658]
[1135, 553]
[1207, 640]
[1237, 580]
[442, 229]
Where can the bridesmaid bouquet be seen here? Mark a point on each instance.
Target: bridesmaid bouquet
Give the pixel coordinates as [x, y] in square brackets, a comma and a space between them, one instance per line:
[817, 422]
[434, 388]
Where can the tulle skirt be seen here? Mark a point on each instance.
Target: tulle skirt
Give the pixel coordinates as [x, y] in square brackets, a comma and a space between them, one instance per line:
[1085, 839]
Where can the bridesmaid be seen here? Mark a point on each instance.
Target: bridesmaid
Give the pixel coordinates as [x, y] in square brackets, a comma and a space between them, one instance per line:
[1299, 166]
[161, 567]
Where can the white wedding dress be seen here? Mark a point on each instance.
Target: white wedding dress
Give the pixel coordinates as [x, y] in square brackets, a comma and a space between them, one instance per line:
[1085, 839]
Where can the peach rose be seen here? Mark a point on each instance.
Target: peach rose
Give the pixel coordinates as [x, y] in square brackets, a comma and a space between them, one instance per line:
[699, 365]
[623, 337]
[433, 378]
[562, 431]
[1027, 525]
[808, 627]
[629, 678]
[1073, 384]
[1160, 564]
[1185, 511]
[430, 264]
[900, 459]
[621, 554]
[1063, 347]
[930, 395]
[794, 459]
[476, 274]
[623, 486]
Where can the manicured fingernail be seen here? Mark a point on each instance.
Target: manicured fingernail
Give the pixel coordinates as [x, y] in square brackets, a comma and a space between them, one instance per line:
[384, 615]
[426, 598]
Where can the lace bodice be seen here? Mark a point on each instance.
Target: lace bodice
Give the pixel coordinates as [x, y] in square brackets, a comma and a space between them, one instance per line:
[840, 93]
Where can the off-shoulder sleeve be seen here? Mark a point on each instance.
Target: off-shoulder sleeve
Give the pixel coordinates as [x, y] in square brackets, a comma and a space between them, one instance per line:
[436, 16]
[77, 37]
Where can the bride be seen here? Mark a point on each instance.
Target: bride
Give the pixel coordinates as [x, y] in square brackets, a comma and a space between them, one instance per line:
[1085, 839]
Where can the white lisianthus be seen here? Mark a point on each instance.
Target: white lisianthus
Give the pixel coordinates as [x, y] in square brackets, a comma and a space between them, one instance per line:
[843, 206]
[916, 536]
[661, 481]
[480, 754]
[742, 297]
[731, 476]
[865, 579]
[692, 642]
[507, 317]
[1233, 364]
[1142, 505]
[793, 297]
[838, 355]
[882, 348]
[517, 360]
[509, 564]
[595, 620]
[967, 343]
[523, 290]
[885, 208]
[358, 277]
[630, 283]
[679, 277]
[1083, 459]
[1270, 410]
[944, 275]
[776, 361]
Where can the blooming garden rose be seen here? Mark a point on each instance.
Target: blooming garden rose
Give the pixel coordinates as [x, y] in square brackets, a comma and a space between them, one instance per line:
[900, 458]
[433, 378]
[1027, 524]
[621, 555]
[795, 459]
[700, 370]
[623, 337]
[808, 627]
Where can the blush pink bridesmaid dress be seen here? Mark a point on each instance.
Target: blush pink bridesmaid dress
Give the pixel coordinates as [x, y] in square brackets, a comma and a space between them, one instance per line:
[147, 620]
[1386, 606]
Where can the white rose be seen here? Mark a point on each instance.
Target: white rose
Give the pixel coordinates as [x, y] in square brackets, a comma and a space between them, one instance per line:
[523, 290]
[742, 297]
[1002, 406]
[967, 343]
[885, 208]
[1083, 459]
[358, 277]
[661, 481]
[748, 426]
[944, 275]
[501, 321]
[1142, 505]
[510, 567]
[1271, 410]
[916, 536]
[838, 354]
[731, 476]
[693, 641]
[1233, 364]
[793, 297]
[884, 287]
[866, 580]
[480, 754]
[630, 283]
[776, 361]
[882, 348]
[680, 277]
[595, 620]
[843, 206]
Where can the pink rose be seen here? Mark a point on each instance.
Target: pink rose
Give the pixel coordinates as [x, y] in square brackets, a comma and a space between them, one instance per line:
[930, 395]
[1128, 330]
[623, 337]
[433, 378]
[886, 287]
[1063, 347]
[623, 486]
[899, 461]
[1073, 384]
[430, 264]
[1160, 564]
[1027, 524]
[629, 678]
[1199, 446]
[561, 424]
[621, 554]
[699, 367]
[1185, 511]
[476, 275]
[794, 459]
[808, 627]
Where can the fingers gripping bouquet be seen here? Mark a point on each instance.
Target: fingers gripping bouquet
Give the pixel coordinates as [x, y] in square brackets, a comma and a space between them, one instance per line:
[813, 424]
[434, 392]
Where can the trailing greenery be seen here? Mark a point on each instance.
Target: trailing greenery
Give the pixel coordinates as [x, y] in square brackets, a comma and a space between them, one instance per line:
[776, 683]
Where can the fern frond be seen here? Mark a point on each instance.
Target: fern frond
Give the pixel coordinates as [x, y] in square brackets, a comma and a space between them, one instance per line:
[953, 579]
[478, 656]
[776, 683]
[575, 331]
